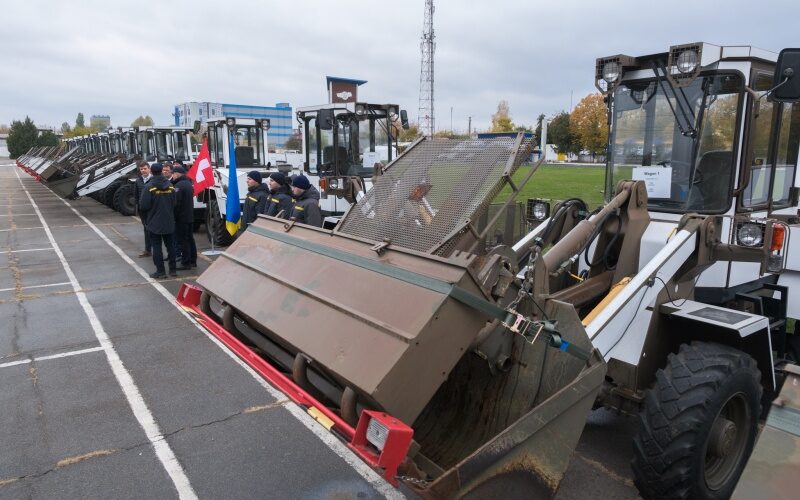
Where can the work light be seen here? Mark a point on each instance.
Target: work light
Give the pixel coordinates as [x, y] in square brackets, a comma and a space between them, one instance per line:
[611, 71]
[231, 122]
[687, 61]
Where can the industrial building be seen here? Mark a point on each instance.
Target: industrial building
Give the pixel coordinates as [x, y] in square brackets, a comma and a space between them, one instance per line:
[280, 115]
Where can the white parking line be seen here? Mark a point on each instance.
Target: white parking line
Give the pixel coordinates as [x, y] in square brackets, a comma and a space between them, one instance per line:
[35, 286]
[52, 356]
[366, 472]
[126, 382]
[27, 250]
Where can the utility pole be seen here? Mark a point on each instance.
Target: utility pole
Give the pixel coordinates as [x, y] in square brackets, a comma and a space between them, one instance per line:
[469, 127]
[451, 118]
[427, 47]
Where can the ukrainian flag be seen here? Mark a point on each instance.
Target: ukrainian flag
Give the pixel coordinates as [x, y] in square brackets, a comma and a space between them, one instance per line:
[233, 212]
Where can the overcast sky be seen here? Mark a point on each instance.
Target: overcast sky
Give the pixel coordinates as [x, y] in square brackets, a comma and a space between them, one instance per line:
[126, 58]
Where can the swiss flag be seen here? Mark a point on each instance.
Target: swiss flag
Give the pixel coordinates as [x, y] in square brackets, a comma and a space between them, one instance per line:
[201, 173]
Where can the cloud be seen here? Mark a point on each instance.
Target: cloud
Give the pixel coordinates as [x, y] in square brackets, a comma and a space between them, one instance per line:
[144, 57]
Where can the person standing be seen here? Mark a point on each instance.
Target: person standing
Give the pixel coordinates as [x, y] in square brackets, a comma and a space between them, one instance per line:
[256, 200]
[280, 196]
[159, 201]
[306, 202]
[184, 219]
[140, 186]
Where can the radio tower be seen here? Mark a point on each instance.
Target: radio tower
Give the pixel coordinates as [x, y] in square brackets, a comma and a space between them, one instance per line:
[427, 47]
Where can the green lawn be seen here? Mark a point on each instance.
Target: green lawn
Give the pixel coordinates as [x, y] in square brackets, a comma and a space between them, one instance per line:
[559, 182]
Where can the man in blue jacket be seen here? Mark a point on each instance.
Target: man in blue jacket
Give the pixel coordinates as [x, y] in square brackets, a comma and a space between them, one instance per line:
[184, 218]
[159, 201]
[280, 196]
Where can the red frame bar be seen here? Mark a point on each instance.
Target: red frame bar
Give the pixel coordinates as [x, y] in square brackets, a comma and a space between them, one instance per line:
[400, 435]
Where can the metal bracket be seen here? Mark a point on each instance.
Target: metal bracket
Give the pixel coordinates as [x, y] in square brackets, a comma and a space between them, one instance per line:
[381, 247]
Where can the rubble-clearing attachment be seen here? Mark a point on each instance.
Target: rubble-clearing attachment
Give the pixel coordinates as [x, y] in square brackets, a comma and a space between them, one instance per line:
[391, 313]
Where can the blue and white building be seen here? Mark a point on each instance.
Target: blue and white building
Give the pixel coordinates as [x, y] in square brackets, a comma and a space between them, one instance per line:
[280, 115]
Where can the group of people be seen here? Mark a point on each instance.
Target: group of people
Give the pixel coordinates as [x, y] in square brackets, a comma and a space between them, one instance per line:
[288, 198]
[164, 198]
[164, 201]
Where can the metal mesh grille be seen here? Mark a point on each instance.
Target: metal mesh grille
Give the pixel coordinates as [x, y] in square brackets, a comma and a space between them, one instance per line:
[424, 199]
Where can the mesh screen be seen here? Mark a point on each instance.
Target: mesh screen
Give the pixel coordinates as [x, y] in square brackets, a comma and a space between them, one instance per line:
[430, 192]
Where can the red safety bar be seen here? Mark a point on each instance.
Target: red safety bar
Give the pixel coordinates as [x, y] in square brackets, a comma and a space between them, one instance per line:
[399, 434]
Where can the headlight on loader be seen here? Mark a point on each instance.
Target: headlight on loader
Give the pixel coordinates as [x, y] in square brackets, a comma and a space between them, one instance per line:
[538, 210]
[750, 235]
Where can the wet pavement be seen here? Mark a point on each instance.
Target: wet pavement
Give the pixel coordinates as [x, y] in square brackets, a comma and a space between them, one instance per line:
[109, 390]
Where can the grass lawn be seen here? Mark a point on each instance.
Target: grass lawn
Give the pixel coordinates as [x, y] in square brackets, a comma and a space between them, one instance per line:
[559, 182]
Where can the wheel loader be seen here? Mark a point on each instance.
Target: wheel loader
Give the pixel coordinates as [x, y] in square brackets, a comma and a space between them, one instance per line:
[466, 369]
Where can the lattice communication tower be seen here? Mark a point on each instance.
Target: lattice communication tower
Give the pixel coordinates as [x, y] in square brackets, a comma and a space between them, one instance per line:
[427, 48]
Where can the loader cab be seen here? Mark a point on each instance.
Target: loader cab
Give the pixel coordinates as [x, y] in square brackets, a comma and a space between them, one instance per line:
[250, 142]
[342, 141]
[163, 143]
[700, 126]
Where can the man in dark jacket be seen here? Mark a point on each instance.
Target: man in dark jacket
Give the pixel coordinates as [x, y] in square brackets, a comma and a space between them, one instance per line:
[158, 201]
[141, 181]
[306, 202]
[184, 218]
[280, 196]
[256, 200]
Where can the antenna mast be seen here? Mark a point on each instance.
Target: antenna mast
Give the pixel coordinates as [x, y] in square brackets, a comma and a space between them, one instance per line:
[427, 47]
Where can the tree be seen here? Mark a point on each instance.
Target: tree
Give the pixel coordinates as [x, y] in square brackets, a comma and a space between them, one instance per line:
[47, 138]
[449, 134]
[501, 120]
[560, 135]
[79, 131]
[79, 123]
[589, 124]
[21, 137]
[294, 143]
[410, 134]
[65, 128]
[143, 121]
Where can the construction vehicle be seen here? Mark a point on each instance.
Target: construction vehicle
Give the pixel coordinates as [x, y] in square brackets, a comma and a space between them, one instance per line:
[343, 143]
[250, 137]
[433, 354]
[154, 144]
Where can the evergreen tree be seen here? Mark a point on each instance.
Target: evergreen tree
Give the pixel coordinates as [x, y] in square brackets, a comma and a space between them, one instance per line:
[21, 137]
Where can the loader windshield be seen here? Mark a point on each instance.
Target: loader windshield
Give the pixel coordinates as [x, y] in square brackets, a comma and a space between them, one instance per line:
[680, 141]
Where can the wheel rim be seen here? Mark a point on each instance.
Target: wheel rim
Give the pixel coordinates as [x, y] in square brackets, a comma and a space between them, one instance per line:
[726, 443]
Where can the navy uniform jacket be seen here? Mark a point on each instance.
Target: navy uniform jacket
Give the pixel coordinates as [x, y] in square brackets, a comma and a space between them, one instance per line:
[158, 202]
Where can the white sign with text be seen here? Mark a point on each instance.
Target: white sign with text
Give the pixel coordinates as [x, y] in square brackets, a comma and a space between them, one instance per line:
[658, 180]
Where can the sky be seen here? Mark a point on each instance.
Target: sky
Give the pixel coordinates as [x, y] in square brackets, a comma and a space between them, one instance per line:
[126, 59]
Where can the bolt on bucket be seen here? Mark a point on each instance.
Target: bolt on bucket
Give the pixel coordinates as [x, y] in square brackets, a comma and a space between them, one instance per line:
[402, 309]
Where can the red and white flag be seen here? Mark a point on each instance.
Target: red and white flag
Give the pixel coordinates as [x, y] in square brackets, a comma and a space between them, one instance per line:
[201, 173]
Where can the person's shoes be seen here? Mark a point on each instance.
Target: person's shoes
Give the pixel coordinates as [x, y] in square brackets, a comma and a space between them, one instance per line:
[173, 273]
[185, 267]
[145, 254]
[157, 275]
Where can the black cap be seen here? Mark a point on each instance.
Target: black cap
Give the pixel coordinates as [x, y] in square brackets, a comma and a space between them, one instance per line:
[255, 175]
[278, 177]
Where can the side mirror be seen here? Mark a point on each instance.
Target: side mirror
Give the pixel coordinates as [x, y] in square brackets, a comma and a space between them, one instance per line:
[787, 76]
[196, 127]
[404, 119]
[325, 119]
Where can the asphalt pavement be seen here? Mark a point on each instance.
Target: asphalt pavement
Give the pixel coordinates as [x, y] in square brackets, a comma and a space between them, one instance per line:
[109, 390]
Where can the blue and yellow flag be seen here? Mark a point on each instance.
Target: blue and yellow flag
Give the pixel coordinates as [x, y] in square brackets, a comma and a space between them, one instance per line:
[233, 212]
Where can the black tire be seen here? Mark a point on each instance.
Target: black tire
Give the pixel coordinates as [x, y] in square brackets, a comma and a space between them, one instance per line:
[125, 199]
[108, 193]
[215, 226]
[704, 387]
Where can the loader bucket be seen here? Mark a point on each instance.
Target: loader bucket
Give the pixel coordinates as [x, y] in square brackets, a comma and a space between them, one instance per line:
[64, 187]
[354, 326]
